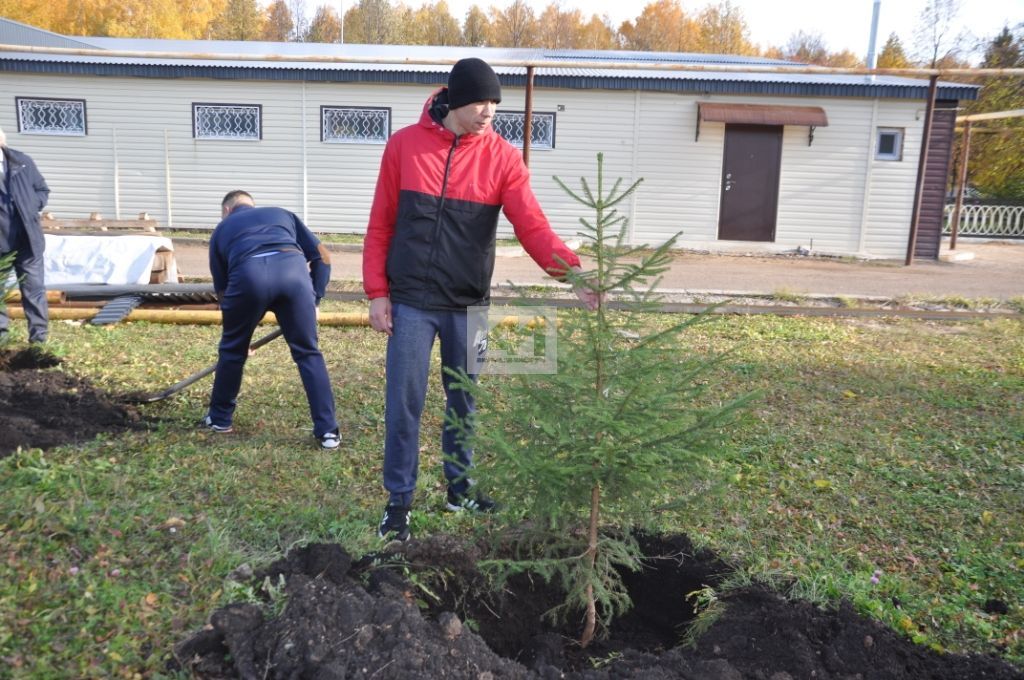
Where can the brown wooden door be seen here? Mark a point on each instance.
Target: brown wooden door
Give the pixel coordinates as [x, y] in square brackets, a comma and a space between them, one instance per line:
[750, 182]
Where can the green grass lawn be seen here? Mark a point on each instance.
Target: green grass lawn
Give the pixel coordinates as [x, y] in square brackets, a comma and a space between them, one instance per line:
[888, 446]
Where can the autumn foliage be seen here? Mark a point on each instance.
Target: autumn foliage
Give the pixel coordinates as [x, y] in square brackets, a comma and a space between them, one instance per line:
[661, 26]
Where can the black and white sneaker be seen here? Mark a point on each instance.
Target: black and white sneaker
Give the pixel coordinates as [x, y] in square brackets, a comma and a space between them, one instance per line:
[330, 441]
[207, 422]
[474, 501]
[394, 525]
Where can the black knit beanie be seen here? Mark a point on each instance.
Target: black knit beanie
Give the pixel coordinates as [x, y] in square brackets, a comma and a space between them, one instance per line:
[470, 81]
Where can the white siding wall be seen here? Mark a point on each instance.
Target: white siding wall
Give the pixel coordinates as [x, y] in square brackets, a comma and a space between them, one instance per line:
[891, 183]
[821, 190]
[592, 121]
[79, 170]
[822, 193]
[821, 187]
[342, 177]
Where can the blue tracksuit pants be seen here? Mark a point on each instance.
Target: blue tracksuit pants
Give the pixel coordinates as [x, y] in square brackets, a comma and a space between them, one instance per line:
[279, 283]
[408, 365]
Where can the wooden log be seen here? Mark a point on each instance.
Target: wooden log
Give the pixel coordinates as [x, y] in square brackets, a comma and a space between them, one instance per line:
[191, 317]
[96, 223]
[53, 297]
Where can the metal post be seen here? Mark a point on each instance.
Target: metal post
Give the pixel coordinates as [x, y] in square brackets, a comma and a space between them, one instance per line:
[167, 179]
[965, 152]
[528, 123]
[922, 166]
[117, 177]
[874, 34]
[305, 161]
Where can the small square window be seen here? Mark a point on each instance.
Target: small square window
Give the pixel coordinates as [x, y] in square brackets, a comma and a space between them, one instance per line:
[227, 121]
[890, 144]
[65, 117]
[512, 126]
[354, 125]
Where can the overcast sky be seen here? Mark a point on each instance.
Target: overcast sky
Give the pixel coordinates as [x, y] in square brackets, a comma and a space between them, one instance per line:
[844, 24]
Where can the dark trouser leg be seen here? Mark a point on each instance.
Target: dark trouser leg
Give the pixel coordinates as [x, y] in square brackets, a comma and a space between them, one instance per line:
[29, 269]
[295, 308]
[5, 320]
[458, 458]
[242, 308]
[408, 364]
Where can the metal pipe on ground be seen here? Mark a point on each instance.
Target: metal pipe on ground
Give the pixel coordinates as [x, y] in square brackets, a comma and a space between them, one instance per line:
[190, 317]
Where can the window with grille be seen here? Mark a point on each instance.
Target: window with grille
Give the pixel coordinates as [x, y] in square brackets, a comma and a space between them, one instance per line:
[890, 144]
[512, 124]
[227, 121]
[354, 125]
[51, 116]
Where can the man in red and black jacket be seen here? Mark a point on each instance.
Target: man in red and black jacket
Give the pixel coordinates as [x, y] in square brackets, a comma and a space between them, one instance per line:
[429, 254]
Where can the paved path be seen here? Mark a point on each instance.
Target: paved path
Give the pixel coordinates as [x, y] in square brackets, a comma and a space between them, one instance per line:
[997, 271]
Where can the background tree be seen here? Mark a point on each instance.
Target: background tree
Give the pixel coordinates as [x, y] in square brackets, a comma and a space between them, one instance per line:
[431, 24]
[325, 26]
[514, 26]
[723, 30]
[373, 22]
[278, 25]
[663, 26]
[198, 16]
[996, 165]
[559, 28]
[241, 20]
[893, 54]
[185, 19]
[598, 34]
[70, 17]
[476, 27]
[300, 20]
[844, 59]
[143, 19]
[935, 39]
[808, 48]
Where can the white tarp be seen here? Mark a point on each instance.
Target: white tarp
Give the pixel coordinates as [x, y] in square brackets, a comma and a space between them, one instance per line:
[105, 259]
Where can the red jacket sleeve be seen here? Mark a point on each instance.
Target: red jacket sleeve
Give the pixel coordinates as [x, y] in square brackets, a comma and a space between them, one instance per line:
[531, 225]
[381, 227]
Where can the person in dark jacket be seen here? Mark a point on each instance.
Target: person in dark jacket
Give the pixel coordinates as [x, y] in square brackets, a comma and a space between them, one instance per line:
[23, 195]
[266, 259]
[429, 255]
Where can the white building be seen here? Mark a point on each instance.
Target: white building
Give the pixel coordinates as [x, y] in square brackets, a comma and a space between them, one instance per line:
[830, 163]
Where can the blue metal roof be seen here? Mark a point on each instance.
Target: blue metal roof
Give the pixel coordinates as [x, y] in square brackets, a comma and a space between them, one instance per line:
[16, 33]
[717, 82]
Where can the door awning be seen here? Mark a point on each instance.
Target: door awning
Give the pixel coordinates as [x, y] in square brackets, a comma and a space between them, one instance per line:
[762, 114]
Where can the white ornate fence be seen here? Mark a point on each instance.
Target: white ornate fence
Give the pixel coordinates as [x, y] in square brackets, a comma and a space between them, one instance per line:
[996, 221]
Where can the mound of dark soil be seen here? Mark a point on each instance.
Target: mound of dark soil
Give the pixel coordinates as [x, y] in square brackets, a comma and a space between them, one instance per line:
[421, 611]
[42, 408]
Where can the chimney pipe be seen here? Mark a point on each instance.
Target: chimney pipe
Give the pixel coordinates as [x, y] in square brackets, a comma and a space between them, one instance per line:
[874, 34]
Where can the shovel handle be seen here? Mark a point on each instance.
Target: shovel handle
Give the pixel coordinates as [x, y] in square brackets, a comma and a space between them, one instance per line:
[195, 377]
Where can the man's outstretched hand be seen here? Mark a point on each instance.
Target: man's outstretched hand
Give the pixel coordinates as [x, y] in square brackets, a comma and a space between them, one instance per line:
[587, 295]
